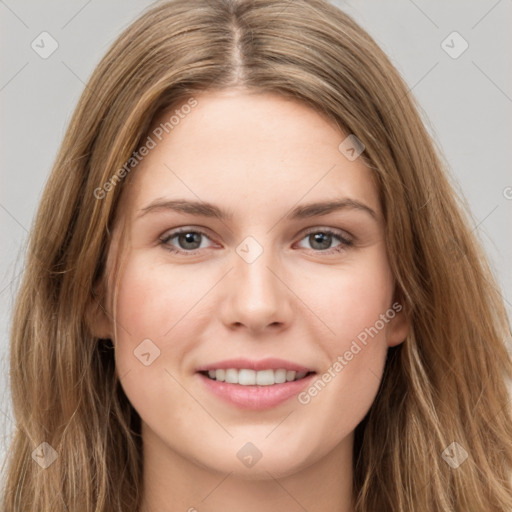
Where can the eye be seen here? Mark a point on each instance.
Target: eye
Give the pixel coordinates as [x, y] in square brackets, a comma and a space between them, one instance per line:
[188, 240]
[321, 240]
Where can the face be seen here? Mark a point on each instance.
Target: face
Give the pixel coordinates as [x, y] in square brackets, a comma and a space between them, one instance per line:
[250, 323]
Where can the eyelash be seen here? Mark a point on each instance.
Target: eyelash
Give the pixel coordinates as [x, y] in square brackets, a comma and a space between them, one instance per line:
[345, 242]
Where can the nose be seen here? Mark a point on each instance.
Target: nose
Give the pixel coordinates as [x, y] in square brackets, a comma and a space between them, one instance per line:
[256, 295]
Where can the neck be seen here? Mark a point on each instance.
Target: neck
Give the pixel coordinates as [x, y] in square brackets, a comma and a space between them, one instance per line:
[173, 483]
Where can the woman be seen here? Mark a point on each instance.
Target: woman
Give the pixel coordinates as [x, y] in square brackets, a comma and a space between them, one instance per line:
[260, 367]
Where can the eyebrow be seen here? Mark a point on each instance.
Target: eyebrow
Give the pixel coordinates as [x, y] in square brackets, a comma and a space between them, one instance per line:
[205, 209]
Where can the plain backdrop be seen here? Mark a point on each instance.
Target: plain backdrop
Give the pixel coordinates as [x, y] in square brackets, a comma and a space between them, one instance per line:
[466, 100]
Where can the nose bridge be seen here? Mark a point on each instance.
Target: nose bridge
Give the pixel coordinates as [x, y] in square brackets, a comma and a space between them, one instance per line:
[256, 296]
[252, 269]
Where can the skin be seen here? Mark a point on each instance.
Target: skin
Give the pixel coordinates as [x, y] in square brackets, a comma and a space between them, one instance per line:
[257, 156]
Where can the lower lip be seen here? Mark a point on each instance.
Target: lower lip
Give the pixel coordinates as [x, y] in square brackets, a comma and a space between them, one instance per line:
[256, 397]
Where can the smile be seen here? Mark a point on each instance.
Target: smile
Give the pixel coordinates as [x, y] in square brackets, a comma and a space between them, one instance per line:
[249, 377]
[255, 384]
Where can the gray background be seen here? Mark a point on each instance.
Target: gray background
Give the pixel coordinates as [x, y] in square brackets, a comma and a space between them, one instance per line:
[466, 101]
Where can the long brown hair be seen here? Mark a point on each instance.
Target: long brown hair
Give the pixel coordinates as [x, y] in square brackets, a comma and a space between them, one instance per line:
[445, 384]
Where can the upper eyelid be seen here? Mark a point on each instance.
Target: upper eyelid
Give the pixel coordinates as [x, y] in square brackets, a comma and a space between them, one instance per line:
[170, 234]
[336, 231]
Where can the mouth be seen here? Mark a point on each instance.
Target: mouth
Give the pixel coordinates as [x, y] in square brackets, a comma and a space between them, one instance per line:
[249, 377]
[255, 385]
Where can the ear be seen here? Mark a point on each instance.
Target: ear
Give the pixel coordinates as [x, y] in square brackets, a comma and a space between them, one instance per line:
[398, 326]
[97, 317]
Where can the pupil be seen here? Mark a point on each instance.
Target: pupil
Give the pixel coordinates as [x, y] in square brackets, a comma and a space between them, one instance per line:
[190, 238]
[322, 238]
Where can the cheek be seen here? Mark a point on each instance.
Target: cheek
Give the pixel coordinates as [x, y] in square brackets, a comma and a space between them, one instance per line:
[151, 344]
[356, 306]
[151, 306]
[152, 299]
[350, 300]
[158, 303]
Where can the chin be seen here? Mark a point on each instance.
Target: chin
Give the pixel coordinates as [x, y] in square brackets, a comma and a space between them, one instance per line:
[262, 460]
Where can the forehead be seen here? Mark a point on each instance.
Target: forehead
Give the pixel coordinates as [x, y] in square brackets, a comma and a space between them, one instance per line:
[250, 152]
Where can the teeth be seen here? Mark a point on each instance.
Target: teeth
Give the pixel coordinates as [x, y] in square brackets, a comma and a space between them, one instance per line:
[265, 378]
[232, 376]
[246, 377]
[280, 376]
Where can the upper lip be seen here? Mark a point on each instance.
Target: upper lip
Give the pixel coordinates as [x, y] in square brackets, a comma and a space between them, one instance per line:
[261, 364]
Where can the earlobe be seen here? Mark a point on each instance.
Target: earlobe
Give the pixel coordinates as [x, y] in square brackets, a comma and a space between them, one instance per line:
[97, 317]
[398, 327]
